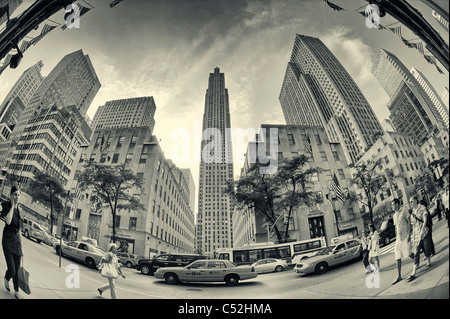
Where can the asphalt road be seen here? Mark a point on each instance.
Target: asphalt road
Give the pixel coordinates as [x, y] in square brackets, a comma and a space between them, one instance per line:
[75, 281]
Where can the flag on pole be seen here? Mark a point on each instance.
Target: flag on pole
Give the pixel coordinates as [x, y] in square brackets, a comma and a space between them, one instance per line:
[114, 3]
[397, 31]
[308, 147]
[419, 47]
[336, 188]
[333, 6]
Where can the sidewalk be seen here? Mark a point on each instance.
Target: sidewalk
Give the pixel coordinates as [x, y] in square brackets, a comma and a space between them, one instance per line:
[429, 284]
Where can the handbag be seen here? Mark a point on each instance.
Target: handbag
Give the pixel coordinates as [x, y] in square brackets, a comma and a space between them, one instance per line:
[24, 277]
[109, 270]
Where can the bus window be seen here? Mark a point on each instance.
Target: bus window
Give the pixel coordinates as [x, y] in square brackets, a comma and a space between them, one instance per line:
[254, 255]
[270, 253]
[284, 252]
[239, 257]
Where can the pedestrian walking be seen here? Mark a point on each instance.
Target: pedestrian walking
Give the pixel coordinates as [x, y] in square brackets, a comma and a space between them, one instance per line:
[429, 225]
[11, 240]
[446, 204]
[110, 268]
[374, 249]
[402, 224]
[438, 206]
[420, 234]
[365, 250]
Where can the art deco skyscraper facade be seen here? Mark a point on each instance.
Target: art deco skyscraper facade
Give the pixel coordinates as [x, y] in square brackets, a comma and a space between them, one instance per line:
[58, 105]
[318, 91]
[432, 94]
[132, 112]
[396, 80]
[216, 169]
[73, 81]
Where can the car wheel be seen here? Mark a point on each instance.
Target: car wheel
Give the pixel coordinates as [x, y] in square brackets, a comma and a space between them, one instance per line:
[278, 268]
[129, 264]
[27, 234]
[321, 268]
[145, 269]
[90, 262]
[387, 240]
[171, 278]
[39, 241]
[232, 280]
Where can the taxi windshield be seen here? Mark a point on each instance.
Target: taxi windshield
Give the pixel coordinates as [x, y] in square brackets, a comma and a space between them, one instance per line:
[326, 251]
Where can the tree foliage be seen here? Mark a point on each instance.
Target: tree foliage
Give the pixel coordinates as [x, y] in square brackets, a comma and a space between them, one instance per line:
[276, 195]
[367, 179]
[113, 186]
[48, 191]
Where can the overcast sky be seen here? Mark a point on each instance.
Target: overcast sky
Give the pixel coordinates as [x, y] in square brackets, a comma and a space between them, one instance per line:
[167, 48]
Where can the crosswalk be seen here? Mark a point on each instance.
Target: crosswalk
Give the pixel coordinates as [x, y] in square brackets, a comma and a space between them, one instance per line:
[388, 248]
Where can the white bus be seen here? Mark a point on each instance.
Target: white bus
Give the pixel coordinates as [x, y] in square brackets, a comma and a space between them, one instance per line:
[287, 251]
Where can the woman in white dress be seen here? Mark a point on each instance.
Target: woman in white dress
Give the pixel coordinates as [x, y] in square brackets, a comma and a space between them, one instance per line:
[374, 249]
[110, 268]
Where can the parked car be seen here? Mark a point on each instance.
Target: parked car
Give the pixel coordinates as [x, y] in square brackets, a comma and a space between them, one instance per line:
[207, 271]
[330, 256]
[130, 260]
[81, 251]
[31, 229]
[270, 265]
[386, 232]
[149, 266]
[49, 239]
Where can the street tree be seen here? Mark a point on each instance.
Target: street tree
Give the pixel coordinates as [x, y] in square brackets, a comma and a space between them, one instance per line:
[276, 196]
[113, 186]
[425, 185]
[370, 182]
[48, 191]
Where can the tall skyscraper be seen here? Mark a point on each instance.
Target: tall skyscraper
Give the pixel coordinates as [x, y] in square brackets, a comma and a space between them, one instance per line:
[14, 104]
[432, 94]
[133, 112]
[24, 88]
[59, 104]
[216, 169]
[318, 91]
[73, 81]
[396, 79]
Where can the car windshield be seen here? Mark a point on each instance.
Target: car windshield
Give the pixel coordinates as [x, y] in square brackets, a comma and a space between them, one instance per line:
[326, 251]
[384, 225]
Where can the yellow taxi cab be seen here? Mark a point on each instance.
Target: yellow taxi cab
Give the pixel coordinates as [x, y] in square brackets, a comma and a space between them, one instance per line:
[207, 270]
[331, 256]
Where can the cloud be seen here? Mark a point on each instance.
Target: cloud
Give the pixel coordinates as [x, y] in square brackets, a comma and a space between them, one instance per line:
[354, 54]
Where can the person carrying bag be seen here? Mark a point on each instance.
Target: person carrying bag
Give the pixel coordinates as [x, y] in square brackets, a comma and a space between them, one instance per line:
[109, 268]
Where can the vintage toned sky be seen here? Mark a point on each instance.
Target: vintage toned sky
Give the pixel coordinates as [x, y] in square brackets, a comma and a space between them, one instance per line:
[167, 48]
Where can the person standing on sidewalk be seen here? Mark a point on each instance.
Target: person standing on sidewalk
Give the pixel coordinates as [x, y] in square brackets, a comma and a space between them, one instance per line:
[374, 248]
[402, 224]
[365, 250]
[445, 202]
[420, 235]
[110, 268]
[11, 242]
